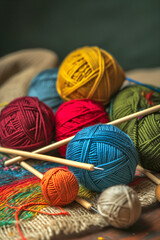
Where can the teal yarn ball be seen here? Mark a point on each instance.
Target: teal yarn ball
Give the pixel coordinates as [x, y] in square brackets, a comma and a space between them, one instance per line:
[107, 147]
[43, 86]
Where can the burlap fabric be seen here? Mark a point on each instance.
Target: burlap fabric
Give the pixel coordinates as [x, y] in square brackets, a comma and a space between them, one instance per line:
[80, 221]
[14, 81]
[18, 69]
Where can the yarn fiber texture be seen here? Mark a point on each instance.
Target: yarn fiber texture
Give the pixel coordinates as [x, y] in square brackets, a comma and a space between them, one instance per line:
[107, 147]
[120, 206]
[89, 72]
[74, 115]
[144, 131]
[43, 86]
[27, 124]
[59, 186]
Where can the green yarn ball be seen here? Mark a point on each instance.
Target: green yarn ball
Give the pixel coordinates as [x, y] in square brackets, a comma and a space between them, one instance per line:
[144, 131]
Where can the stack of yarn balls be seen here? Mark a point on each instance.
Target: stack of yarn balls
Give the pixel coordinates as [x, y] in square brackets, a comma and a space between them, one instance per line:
[85, 73]
[74, 115]
[87, 79]
[144, 131]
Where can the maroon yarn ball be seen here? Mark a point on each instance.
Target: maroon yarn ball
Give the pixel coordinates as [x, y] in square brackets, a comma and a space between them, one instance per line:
[74, 115]
[26, 123]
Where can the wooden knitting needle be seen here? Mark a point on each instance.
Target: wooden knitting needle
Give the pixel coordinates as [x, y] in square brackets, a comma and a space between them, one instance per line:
[148, 174]
[153, 178]
[67, 140]
[43, 157]
[79, 200]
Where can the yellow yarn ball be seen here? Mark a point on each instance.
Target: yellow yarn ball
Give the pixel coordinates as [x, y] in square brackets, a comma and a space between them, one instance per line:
[89, 72]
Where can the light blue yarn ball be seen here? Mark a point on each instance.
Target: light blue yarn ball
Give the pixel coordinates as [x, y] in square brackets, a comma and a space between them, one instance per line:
[43, 86]
[107, 147]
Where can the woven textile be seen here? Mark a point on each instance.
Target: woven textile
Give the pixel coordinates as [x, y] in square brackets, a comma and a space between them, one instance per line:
[80, 220]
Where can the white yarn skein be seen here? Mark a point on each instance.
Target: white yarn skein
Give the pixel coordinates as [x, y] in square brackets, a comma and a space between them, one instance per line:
[120, 205]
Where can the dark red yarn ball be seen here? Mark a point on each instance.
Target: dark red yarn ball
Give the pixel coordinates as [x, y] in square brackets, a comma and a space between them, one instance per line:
[26, 123]
[74, 115]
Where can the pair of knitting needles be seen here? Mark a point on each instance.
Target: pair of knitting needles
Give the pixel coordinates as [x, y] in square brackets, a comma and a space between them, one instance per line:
[23, 155]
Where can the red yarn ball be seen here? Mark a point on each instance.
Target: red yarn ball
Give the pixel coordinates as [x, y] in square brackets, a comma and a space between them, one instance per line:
[74, 115]
[59, 186]
[26, 123]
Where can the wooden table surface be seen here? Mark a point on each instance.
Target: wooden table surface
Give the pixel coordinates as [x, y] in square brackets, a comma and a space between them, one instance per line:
[146, 228]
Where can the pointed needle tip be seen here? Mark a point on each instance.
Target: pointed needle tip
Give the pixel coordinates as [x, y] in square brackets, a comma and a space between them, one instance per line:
[95, 210]
[98, 168]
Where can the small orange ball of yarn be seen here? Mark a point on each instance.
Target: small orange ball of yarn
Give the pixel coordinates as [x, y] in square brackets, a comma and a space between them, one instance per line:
[89, 72]
[59, 186]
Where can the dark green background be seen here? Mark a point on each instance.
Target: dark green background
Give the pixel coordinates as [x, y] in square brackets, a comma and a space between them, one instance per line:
[129, 30]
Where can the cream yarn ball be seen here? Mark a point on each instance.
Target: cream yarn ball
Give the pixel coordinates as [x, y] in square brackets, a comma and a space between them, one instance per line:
[120, 205]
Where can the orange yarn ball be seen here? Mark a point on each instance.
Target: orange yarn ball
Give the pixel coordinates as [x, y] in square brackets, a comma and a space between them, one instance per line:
[59, 186]
[89, 72]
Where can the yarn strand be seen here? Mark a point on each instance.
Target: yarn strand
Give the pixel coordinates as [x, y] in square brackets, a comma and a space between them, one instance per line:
[142, 84]
[24, 207]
